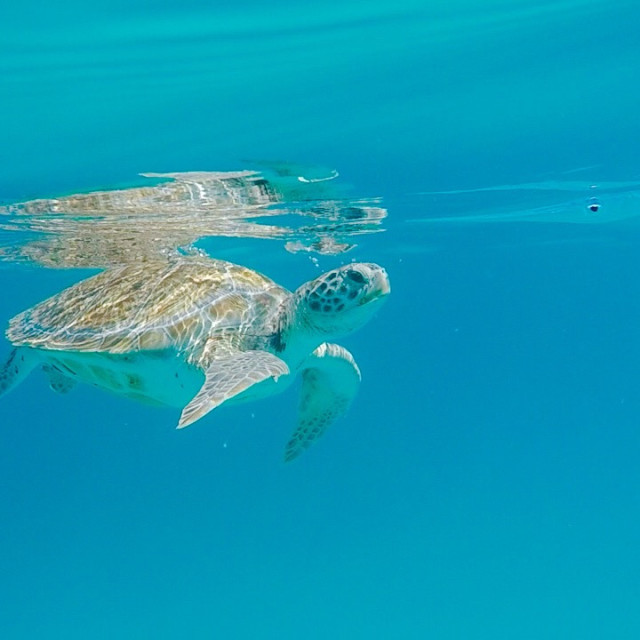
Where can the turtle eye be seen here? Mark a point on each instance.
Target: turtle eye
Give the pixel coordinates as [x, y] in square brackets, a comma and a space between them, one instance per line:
[356, 277]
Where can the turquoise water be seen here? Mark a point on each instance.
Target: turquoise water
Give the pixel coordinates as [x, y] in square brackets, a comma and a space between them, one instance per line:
[485, 482]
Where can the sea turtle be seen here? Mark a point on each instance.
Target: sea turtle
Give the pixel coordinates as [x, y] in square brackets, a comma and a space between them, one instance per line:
[194, 332]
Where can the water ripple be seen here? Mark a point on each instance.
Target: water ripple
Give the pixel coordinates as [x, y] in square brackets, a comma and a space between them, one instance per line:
[304, 211]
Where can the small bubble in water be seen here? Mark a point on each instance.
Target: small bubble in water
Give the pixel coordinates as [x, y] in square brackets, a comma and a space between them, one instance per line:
[593, 205]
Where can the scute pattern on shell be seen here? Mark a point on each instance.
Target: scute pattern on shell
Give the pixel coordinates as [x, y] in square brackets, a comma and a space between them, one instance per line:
[178, 303]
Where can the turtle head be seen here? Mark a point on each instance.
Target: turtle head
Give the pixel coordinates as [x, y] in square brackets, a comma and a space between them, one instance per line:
[342, 300]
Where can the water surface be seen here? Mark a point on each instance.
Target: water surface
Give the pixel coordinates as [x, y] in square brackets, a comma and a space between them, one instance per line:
[485, 482]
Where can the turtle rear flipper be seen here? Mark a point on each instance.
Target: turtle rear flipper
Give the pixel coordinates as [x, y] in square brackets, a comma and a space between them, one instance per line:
[330, 381]
[227, 377]
[16, 369]
[57, 380]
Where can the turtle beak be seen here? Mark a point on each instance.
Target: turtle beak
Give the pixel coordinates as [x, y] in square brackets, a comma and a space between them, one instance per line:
[383, 283]
[380, 287]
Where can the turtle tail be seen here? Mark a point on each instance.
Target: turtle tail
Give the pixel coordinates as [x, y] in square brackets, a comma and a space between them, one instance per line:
[15, 370]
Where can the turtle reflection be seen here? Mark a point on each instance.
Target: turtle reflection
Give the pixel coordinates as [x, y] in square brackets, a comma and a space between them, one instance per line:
[175, 210]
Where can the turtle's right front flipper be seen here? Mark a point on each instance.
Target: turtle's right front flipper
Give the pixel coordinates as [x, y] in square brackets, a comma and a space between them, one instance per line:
[330, 381]
[227, 377]
[16, 369]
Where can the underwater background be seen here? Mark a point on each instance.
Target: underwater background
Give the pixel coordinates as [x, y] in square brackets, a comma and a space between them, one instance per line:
[485, 482]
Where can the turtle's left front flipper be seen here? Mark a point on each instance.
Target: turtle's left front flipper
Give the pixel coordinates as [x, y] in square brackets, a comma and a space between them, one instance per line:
[330, 381]
[227, 377]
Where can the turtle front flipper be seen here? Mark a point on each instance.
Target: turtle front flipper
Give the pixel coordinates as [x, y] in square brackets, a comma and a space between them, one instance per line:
[330, 381]
[227, 377]
[17, 367]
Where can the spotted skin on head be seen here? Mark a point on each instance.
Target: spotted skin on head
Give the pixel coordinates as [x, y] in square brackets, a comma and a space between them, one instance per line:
[345, 288]
[333, 290]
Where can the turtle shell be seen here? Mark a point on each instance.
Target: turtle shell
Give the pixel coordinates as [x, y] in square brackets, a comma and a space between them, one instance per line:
[153, 305]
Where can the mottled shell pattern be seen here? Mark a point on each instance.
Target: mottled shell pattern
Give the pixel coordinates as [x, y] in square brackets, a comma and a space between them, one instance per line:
[193, 305]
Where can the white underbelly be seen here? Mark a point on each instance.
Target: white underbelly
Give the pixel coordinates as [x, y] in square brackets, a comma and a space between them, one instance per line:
[157, 379]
